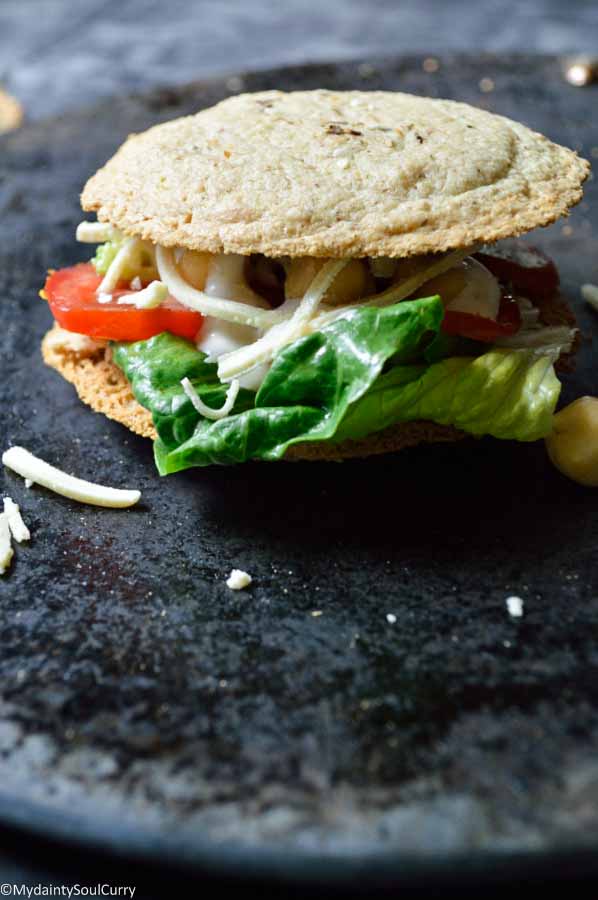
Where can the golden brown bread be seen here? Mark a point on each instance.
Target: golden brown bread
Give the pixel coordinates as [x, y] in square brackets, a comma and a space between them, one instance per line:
[329, 174]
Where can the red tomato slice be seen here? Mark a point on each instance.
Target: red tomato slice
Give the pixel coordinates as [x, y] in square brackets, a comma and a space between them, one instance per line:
[526, 269]
[71, 294]
[479, 328]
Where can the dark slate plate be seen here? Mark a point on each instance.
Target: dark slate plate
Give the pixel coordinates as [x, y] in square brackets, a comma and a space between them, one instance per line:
[147, 710]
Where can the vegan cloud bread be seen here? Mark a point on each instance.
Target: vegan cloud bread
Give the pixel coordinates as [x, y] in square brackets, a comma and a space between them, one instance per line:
[314, 275]
[322, 173]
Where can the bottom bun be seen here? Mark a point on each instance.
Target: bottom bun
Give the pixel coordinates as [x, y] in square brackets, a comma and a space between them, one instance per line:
[101, 385]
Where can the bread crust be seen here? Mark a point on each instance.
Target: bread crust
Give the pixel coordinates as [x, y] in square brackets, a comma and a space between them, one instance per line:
[98, 381]
[335, 174]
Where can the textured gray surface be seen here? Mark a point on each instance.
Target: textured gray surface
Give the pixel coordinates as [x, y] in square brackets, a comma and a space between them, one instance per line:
[59, 54]
[138, 690]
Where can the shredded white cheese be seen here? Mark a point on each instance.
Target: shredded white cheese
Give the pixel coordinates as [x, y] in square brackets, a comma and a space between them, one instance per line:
[24, 463]
[6, 551]
[135, 283]
[126, 256]
[514, 607]
[229, 310]
[247, 358]
[18, 529]
[225, 280]
[97, 232]
[289, 321]
[150, 297]
[238, 579]
[207, 411]
[589, 292]
[217, 337]
[396, 292]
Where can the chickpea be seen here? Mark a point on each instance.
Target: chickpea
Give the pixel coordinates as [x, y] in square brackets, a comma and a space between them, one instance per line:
[448, 285]
[193, 266]
[353, 282]
[300, 274]
[573, 443]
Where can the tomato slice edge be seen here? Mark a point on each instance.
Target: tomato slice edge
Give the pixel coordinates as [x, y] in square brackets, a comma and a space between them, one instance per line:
[71, 295]
[479, 328]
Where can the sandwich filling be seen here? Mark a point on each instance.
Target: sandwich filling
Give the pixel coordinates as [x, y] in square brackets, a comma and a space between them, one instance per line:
[240, 357]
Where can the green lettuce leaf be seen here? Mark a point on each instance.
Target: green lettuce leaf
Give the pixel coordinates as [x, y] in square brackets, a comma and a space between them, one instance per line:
[104, 256]
[155, 369]
[310, 387]
[352, 378]
[504, 393]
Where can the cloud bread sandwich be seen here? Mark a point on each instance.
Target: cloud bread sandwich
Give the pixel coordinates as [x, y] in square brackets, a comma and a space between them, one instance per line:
[316, 275]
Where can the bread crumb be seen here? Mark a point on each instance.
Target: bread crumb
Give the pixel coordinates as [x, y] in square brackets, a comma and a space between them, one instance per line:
[514, 607]
[238, 579]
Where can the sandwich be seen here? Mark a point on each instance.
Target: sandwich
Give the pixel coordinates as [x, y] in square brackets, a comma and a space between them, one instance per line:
[319, 275]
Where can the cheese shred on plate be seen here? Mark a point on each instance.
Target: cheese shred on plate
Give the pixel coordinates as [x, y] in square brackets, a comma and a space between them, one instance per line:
[18, 529]
[24, 463]
[11, 526]
[6, 551]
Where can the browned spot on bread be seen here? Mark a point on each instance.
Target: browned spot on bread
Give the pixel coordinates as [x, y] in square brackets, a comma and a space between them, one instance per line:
[396, 175]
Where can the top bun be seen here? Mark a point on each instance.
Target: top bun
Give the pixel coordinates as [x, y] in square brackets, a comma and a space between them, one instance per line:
[327, 173]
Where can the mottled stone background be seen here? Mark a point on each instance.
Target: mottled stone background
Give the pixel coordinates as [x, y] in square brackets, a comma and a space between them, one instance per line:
[60, 54]
[57, 55]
